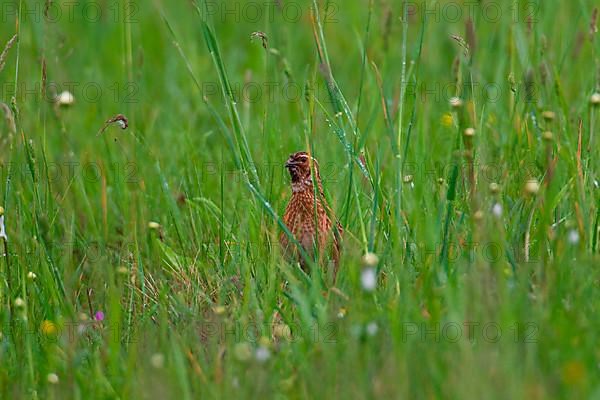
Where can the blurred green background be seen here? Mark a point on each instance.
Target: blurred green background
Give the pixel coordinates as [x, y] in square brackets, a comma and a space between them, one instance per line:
[144, 262]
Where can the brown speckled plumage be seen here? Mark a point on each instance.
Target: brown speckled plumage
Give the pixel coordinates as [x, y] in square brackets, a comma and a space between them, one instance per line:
[308, 217]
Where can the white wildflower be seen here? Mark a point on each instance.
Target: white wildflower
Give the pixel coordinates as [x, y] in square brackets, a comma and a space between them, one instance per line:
[497, 210]
[456, 102]
[372, 328]
[81, 329]
[573, 236]
[262, 354]
[65, 98]
[2, 229]
[368, 279]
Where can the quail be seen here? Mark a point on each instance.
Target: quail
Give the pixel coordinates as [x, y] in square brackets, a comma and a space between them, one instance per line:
[308, 216]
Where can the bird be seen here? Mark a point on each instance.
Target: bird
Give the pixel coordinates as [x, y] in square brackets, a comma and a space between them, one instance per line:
[307, 216]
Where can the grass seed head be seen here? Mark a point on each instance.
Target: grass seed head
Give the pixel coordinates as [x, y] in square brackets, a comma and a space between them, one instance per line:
[52, 378]
[549, 115]
[219, 310]
[532, 187]
[282, 331]
[157, 360]
[547, 136]
[263, 38]
[595, 99]
[494, 188]
[242, 351]
[370, 260]
[153, 225]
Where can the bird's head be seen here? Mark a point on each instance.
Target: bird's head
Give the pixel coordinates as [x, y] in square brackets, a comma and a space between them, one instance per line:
[300, 166]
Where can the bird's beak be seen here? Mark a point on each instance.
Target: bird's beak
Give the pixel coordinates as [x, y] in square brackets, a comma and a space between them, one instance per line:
[290, 163]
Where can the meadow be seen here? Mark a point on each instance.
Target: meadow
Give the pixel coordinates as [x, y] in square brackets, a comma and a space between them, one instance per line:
[142, 185]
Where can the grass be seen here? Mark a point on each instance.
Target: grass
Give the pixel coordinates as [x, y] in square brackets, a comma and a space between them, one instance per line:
[144, 262]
